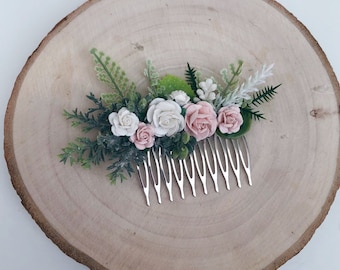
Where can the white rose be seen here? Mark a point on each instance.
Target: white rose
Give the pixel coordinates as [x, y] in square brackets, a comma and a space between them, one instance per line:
[124, 123]
[165, 116]
[179, 97]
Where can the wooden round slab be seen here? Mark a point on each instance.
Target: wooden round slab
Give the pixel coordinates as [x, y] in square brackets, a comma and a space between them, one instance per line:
[295, 152]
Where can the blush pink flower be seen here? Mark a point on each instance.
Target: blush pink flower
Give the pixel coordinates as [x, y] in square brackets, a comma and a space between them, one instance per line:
[229, 119]
[200, 120]
[144, 137]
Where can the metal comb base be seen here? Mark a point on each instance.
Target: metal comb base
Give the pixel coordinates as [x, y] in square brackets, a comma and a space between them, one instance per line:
[210, 157]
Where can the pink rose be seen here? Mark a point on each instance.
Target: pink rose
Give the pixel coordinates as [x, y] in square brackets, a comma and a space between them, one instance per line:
[229, 119]
[144, 136]
[200, 120]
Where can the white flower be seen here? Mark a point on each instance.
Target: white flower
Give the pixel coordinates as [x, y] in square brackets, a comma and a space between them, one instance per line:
[124, 123]
[179, 97]
[165, 116]
[207, 90]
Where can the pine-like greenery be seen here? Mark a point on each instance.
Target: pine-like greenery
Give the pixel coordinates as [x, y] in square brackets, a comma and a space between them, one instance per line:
[83, 151]
[122, 153]
[94, 118]
[265, 95]
[87, 152]
[256, 115]
[190, 77]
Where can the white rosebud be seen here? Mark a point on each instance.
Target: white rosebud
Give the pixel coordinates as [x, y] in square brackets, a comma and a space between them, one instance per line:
[179, 97]
[165, 116]
[206, 92]
[124, 123]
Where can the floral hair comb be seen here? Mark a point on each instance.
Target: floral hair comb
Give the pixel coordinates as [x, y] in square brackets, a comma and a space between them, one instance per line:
[181, 129]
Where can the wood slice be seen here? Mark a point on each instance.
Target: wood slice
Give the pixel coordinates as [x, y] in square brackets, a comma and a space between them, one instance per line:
[295, 152]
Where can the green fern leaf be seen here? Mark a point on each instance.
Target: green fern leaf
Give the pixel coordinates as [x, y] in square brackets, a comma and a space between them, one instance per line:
[190, 77]
[256, 115]
[112, 75]
[264, 95]
[110, 98]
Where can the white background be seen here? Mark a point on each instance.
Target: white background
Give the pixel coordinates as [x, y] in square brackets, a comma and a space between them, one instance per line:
[23, 24]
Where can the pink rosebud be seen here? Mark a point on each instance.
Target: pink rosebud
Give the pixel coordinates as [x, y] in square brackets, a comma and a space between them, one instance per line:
[229, 119]
[144, 137]
[200, 120]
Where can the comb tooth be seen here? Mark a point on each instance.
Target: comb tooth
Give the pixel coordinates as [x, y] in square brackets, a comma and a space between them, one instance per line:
[234, 161]
[235, 152]
[191, 177]
[179, 179]
[246, 164]
[168, 177]
[146, 185]
[224, 169]
[212, 168]
[202, 174]
[156, 178]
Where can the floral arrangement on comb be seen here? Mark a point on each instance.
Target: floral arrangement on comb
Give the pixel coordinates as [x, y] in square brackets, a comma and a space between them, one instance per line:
[174, 115]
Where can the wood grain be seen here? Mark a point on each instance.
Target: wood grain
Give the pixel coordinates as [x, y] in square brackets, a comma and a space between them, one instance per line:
[295, 153]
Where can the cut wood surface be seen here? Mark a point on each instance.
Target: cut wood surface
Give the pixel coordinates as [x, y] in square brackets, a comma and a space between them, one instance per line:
[294, 153]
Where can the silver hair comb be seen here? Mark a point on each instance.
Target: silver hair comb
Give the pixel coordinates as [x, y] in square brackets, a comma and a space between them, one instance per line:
[211, 157]
[158, 130]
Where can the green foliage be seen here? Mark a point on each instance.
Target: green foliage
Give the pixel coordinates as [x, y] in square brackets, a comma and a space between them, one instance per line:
[178, 146]
[172, 83]
[231, 77]
[190, 77]
[121, 152]
[110, 98]
[94, 118]
[110, 73]
[153, 77]
[264, 95]
[137, 105]
[82, 151]
[256, 115]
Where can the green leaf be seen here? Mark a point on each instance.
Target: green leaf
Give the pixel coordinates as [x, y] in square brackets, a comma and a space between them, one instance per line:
[185, 138]
[182, 153]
